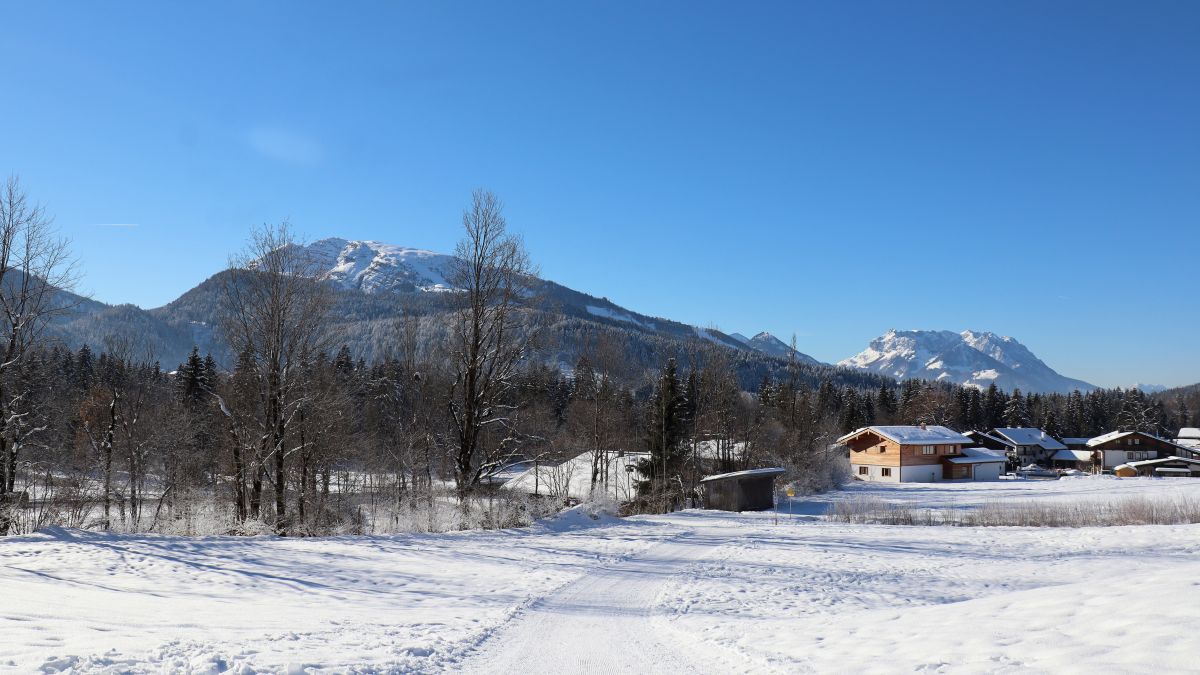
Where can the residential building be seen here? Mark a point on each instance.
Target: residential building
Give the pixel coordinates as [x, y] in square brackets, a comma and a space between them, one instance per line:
[1122, 447]
[1027, 445]
[922, 454]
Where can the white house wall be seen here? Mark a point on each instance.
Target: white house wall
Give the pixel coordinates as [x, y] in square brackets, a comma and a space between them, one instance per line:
[989, 471]
[1115, 458]
[875, 474]
[922, 473]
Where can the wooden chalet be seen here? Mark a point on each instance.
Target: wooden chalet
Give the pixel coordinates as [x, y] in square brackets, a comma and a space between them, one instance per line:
[1028, 445]
[1022, 445]
[1123, 447]
[918, 454]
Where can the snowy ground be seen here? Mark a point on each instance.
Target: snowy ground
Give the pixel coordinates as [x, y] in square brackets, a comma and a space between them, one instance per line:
[689, 592]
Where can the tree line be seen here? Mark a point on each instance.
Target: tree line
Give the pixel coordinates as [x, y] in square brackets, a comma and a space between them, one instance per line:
[299, 437]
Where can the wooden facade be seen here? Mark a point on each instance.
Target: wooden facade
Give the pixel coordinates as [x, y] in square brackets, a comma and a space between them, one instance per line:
[1116, 448]
[872, 448]
[909, 454]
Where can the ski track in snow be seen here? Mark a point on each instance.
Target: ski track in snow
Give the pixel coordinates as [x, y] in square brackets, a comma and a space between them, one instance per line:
[604, 622]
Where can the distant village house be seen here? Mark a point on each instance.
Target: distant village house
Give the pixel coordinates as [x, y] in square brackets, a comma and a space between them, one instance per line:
[1122, 447]
[1023, 445]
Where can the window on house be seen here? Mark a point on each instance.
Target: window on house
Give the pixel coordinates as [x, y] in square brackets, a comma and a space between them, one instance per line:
[885, 472]
[1137, 441]
[928, 450]
[883, 448]
[862, 470]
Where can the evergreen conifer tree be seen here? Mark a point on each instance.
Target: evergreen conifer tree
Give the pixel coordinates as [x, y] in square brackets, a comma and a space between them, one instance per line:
[1016, 414]
[664, 430]
[851, 417]
[885, 403]
[993, 406]
[85, 368]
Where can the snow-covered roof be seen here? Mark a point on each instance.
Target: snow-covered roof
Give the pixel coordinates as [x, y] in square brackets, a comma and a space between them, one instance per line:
[994, 439]
[1114, 435]
[977, 456]
[1110, 436]
[1030, 436]
[911, 435]
[573, 478]
[1172, 458]
[1076, 440]
[768, 471]
[1072, 456]
[507, 473]
[1190, 433]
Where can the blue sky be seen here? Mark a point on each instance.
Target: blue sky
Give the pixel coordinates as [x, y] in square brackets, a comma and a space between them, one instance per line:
[830, 170]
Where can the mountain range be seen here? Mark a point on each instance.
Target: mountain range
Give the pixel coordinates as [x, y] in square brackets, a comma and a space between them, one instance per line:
[972, 358]
[376, 283]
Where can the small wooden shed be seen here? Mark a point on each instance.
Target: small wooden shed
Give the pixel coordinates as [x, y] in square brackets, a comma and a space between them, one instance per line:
[751, 490]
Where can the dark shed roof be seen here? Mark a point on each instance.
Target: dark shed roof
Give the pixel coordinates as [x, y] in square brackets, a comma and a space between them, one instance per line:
[773, 471]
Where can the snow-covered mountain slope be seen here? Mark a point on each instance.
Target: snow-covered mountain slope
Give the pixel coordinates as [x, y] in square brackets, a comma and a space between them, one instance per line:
[769, 344]
[976, 358]
[373, 267]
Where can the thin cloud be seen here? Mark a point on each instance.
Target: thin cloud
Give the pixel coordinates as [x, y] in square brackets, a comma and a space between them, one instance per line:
[285, 146]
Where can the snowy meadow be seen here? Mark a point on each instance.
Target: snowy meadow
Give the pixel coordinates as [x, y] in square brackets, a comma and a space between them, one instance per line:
[693, 591]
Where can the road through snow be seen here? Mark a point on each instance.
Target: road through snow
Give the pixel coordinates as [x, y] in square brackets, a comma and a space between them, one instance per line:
[604, 622]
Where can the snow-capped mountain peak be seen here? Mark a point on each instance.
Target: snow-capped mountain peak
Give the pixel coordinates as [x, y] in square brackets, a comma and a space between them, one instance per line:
[372, 267]
[976, 358]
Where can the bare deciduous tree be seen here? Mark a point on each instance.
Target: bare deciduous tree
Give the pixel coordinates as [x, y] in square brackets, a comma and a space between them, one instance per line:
[490, 334]
[274, 315]
[34, 267]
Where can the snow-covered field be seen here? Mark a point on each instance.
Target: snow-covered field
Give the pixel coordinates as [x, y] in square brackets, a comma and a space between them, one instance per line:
[688, 592]
[974, 494]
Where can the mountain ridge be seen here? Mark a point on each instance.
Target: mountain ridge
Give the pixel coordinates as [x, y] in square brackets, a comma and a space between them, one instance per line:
[971, 358]
[376, 283]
